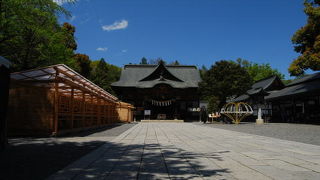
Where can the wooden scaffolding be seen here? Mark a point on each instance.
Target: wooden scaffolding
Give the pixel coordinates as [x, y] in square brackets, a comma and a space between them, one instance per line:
[56, 99]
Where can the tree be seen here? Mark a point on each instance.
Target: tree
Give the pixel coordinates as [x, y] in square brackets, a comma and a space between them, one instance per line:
[307, 41]
[259, 71]
[213, 104]
[99, 74]
[144, 61]
[156, 61]
[224, 79]
[175, 63]
[82, 64]
[69, 31]
[104, 74]
[203, 71]
[30, 35]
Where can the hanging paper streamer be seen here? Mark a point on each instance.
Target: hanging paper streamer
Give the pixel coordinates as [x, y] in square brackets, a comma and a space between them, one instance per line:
[161, 103]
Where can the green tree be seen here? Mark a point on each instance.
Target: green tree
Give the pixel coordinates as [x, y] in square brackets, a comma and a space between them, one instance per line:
[30, 35]
[213, 104]
[144, 61]
[259, 71]
[82, 64]
[224, 79]
[99, 74]
[175, 63]
[104, 74]
[156, 61]
[307, 41]
[69, 31]
[203, 71]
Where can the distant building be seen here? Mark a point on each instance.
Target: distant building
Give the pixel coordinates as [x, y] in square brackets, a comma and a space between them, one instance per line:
[256, 95]
[298, 102]
[168, 91]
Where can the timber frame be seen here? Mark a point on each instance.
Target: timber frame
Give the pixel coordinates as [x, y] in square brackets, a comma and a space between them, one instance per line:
[60, 100]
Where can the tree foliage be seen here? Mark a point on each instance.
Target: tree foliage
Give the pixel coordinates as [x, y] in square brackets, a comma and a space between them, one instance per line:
[30, 35]
[103, 74]
[144, 61]
[224, 79]
[307, 41]
[82, 64]
[259, 71]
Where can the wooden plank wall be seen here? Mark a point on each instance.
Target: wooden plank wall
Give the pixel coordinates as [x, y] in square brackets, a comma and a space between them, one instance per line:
[29, 110]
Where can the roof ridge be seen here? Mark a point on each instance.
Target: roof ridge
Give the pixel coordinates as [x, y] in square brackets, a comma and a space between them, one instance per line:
[269, 77]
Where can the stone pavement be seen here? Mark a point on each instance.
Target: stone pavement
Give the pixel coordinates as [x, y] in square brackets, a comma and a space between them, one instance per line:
[190, 151]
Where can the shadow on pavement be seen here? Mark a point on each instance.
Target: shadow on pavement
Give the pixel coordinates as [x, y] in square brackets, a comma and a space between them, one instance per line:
[138, 161]
[37, 159]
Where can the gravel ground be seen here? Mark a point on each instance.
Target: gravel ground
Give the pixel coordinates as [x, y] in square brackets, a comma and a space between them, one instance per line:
[37, 158]
[304, 133]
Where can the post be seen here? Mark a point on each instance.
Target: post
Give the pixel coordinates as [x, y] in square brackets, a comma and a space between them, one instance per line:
[72, 107]
[56, 104]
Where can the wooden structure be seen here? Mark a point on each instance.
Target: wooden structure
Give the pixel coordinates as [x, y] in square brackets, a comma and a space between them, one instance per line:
[55, 100]
[160, 91]
[125, 111]
[4, 89]
[257, 94]
[297, 102]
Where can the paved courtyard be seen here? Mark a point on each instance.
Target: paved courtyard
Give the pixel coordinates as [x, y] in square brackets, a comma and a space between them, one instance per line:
[190, 151]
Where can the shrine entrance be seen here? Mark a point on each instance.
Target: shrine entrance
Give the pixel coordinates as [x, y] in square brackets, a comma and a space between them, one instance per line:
[160, 92]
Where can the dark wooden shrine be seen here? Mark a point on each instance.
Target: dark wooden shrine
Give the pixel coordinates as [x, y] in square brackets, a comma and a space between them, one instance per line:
[168, 91]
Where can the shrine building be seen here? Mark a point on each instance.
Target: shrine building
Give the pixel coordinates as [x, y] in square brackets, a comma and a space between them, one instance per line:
[160, 91]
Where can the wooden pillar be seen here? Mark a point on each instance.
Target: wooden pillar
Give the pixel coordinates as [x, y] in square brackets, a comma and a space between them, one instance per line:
[128, 110]
[91, 110]
[109, 112]
[83, 109]
[56, 105]
[72, 107]
[98, 111]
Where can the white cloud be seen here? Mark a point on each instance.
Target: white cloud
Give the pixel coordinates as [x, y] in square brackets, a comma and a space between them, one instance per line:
[124, 50]
[73, 18]
[60, 2]
[123, 24]
[102, 49]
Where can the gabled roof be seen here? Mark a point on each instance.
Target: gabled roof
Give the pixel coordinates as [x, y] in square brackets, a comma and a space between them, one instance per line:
[161, 73]
[5, 62]
[147, 76]
[262, 86]
[309, 77]
[307, 84]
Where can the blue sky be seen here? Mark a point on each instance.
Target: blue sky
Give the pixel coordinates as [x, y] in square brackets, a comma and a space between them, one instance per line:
[195, 32]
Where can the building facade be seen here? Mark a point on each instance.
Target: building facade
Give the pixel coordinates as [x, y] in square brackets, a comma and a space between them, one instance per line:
[160, 91]
[257, 94]
[297, 102]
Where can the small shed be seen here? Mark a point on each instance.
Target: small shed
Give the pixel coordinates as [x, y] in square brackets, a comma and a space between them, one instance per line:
[54, 100]
[4, 88]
